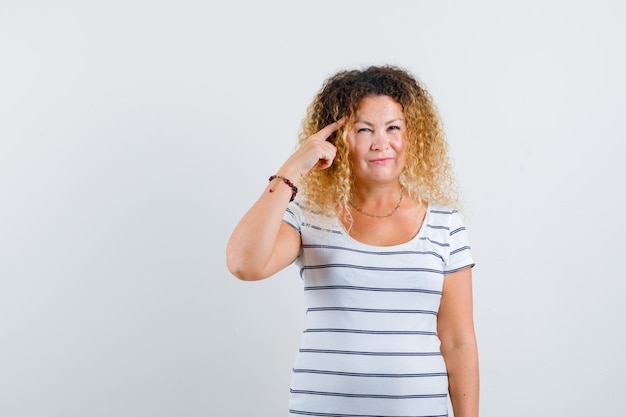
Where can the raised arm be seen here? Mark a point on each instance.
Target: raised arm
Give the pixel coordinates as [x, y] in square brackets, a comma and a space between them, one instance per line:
[455, 326]
[262, 244]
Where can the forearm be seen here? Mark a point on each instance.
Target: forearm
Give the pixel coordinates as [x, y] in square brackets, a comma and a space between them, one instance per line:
[463, 379]
[254, 239]
[260, 245]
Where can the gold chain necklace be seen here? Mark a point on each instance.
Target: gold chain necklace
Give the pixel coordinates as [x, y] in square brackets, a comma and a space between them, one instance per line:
[391, 213]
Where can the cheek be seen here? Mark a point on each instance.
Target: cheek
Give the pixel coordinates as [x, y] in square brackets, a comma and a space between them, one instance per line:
[400, 145]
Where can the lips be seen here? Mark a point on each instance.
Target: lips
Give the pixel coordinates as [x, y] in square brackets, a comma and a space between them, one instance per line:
[380, 161]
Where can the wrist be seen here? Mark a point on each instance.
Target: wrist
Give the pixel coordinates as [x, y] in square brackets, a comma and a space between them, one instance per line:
[286, 181]
[293, 175]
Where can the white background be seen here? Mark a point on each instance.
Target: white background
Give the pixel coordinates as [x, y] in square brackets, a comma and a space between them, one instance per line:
[134, 135]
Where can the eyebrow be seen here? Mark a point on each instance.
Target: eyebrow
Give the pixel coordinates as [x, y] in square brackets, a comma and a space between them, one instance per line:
[399, 119]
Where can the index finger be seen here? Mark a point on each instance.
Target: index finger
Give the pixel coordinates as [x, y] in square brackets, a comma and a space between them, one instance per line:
[328, 130]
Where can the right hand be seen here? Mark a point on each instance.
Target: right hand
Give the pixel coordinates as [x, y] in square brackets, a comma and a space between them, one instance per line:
[315, 151]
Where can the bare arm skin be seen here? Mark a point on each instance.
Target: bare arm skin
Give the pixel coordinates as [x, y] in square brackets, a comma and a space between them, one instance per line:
[262, 244]
[455, 326]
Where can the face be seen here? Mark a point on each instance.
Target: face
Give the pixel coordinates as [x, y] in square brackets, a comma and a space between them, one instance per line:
[377, 141]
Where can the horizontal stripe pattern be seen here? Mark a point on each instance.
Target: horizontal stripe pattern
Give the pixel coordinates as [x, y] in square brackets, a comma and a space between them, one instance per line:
[370, 310]
[384, 396]
[357, 288]
[310, 413]
[372, 268]
[371, 341]
[349, 352]
[368, 375]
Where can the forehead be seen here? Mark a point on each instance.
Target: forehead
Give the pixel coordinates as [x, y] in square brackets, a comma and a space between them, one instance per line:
[378, 106]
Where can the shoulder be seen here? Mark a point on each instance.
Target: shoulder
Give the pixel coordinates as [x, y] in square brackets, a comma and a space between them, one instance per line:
[445, 215]
[451, 226]
[299, 215]
[294, 215]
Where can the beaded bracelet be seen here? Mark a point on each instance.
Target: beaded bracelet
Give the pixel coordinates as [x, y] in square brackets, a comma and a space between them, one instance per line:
[294, 189]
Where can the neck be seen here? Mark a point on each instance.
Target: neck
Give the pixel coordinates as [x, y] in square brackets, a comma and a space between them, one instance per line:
[381, 202]
[376, 196]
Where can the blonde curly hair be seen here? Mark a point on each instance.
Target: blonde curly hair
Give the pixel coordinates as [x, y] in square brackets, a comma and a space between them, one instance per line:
[427, 175]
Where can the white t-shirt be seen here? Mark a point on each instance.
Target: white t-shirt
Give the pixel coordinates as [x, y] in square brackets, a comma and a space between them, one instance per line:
[370, 347]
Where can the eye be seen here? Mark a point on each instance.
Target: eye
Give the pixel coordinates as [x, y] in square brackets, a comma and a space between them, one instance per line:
[363, 130]
[394, 127]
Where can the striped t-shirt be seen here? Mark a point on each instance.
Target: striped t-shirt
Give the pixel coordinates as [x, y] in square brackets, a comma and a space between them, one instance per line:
[370, 347]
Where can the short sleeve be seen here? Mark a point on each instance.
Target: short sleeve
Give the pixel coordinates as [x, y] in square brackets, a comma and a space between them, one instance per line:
[460, 251]
[293, 216]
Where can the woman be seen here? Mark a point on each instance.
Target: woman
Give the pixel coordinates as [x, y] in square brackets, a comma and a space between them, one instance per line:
[384, 258]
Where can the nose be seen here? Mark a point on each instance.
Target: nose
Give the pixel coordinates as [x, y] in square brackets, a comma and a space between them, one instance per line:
[380, 142]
